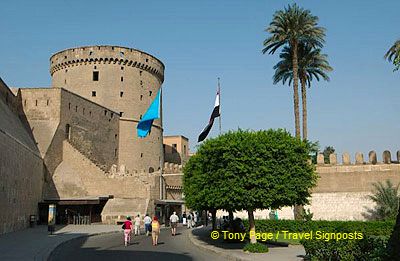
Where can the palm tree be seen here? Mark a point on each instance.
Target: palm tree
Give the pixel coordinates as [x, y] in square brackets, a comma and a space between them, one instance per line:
[387, 199]
[312, 64]
[290, 27]
[393, 54]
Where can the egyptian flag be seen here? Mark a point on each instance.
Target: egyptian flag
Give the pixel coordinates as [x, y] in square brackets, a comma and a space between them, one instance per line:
[215, 113]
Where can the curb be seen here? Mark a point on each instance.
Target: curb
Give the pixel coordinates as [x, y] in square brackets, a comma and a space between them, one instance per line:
[207, 247]
[49, 251]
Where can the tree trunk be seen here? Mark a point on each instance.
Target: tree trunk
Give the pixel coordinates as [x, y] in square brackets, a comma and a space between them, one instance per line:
[296, 90]
[297, 209]
[252, 226]
[304, 105]
[298, 212]
[214, 218]
[230, 219]
[393, 247]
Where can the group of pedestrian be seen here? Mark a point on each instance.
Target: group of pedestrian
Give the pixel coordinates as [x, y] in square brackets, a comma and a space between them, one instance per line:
[150, 225]
[153, 225]
[190, 219]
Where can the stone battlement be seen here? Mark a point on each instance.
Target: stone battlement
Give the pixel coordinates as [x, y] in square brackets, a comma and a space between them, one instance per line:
[172, 168]
[107, 55]
[122, 171]
[359, 159]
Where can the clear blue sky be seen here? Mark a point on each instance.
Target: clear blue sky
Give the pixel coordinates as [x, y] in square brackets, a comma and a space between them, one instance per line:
[201, 40]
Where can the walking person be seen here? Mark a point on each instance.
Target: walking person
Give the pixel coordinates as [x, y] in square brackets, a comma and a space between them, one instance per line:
[195, 219]
[137, 225]
[174, 223]
[127, 227]
[184, 218]
[147, 224]
[155, 230]
[189, 220]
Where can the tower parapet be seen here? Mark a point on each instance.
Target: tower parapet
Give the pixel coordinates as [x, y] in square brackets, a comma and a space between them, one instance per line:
[107, 54]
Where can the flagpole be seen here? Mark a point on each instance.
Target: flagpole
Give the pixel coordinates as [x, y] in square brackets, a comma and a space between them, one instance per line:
[219, 97]
[162, 149]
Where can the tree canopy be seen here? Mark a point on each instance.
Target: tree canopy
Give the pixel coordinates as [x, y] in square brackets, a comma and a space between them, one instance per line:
[327, 152]
[245, 170]
[393, 55]
[313, 64]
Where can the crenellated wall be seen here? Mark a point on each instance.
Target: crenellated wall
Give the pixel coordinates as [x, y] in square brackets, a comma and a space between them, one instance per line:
[387, 158]
[343, 187]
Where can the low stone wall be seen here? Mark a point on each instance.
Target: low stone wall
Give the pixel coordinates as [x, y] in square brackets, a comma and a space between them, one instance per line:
[343, 190]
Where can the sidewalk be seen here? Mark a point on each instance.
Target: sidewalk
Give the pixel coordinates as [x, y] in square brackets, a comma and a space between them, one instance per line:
[37, 244]
[234, 251]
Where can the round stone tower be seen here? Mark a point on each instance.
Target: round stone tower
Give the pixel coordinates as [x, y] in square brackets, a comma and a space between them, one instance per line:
[124, 80]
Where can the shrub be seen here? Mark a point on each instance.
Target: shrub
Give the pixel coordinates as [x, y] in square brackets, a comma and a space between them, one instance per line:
[376, 228]
[386, 197]
[256, 248]
[371, 248]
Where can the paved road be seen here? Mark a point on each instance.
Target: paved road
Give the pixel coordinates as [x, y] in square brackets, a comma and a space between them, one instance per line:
[110, 247]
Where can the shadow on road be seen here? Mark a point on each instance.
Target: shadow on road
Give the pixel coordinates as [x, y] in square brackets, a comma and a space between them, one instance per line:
[76, 250]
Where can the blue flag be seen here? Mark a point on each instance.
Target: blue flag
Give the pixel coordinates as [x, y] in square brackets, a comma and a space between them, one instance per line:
[152, 113]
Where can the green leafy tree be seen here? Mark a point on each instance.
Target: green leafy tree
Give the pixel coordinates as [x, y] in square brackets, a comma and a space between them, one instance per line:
[312, 64]
[328, 151]
[393, 55]
[386, 198]
[246, 170]
[292, 26]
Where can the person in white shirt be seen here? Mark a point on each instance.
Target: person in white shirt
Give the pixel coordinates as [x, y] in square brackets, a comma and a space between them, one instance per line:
[174, 223]
[184, 218]
[195, 219]
[137, 225]
[147, 224]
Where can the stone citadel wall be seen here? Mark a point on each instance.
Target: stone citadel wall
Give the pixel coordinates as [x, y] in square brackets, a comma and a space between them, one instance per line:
[343, 189]
[79, 177]
[55, 115]
[122, 79]
[21, 167]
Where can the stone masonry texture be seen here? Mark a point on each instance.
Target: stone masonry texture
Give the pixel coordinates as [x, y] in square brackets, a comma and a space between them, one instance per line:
[128, 81]
[21, 167]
